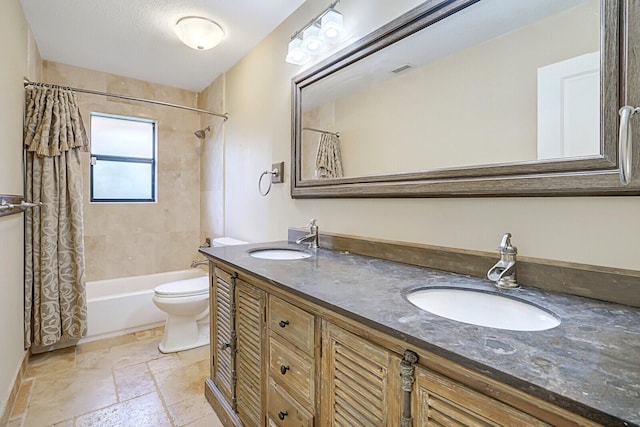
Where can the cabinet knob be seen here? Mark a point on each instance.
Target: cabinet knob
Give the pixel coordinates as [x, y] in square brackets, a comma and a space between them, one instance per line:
[224, 346]
[283, 323]
[284, 369]
[282, 414]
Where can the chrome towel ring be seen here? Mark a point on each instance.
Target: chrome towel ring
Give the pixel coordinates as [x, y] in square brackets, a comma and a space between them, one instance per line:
[269, 173]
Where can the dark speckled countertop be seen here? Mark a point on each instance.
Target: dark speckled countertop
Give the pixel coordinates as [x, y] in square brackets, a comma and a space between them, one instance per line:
[589, 364]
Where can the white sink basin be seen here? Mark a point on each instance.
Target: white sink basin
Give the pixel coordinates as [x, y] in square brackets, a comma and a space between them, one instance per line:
[279, 254]
[483, 309]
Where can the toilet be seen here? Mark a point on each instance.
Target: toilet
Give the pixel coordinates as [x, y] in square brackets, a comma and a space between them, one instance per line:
[186, 303]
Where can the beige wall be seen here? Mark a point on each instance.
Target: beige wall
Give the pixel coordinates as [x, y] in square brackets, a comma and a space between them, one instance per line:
[594, 230]
[130, 239]
[19, 58]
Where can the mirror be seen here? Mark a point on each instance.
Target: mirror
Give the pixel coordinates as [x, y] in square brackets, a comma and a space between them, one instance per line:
[466, 98]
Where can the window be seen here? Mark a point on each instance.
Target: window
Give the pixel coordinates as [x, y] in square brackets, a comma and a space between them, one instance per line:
[123, 159]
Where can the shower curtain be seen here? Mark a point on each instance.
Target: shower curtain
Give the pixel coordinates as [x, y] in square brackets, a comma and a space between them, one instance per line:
[328, 157]
[55, 298]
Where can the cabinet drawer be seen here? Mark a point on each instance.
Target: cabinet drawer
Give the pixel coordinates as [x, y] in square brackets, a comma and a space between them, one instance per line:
[291, 323]
[292, 370]
[284, 411]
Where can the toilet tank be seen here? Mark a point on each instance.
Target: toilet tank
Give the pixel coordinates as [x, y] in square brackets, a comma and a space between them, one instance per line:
[227, 241]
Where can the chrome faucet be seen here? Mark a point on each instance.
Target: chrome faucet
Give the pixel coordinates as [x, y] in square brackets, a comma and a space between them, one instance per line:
[504, 272]
[312, 237]
[194, 264]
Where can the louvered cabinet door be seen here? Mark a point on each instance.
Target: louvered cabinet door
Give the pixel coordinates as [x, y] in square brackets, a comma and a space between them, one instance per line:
[441, 401]
[222, 333]
[360, 381]
[250, 327]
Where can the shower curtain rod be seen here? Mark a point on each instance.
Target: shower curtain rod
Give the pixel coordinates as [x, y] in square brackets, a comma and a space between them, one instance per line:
[225, 116]
[323, 131]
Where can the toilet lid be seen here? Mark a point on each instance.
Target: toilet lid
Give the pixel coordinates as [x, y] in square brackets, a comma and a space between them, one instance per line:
[197, 286]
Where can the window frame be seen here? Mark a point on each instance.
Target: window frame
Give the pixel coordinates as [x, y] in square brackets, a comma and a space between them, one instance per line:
[125, 159]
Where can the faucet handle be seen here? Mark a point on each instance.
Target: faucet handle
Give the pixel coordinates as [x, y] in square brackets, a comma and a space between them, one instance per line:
[505, 245]
[312, 223]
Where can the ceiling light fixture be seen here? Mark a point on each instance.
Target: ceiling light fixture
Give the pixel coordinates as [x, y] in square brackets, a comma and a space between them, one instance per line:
[314, 38]
[199, 33]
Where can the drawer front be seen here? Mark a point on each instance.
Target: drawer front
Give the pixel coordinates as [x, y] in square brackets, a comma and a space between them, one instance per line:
[283, 411]
[292, 370]
[291, 323]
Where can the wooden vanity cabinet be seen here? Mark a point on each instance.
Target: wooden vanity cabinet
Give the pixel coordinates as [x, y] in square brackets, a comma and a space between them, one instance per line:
[237, 348]
[281, 361]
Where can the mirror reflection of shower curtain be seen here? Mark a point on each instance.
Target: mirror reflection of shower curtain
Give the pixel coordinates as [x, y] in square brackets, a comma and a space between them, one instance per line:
[328, 157]
[55, 296]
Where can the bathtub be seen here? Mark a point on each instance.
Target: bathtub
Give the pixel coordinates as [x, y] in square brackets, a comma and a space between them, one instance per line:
[120, 306]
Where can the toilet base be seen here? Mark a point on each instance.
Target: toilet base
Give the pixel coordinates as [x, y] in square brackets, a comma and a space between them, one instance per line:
[184, 333]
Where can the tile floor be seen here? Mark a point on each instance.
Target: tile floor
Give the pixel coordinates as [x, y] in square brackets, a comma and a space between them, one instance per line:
[122, 381]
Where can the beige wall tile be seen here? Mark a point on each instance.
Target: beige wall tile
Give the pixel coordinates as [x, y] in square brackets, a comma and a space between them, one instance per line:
[124, 239]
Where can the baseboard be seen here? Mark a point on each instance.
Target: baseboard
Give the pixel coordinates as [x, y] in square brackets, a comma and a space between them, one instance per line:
[4, 419]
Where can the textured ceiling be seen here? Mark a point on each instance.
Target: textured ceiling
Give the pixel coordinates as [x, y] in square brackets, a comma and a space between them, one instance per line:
[135, 38]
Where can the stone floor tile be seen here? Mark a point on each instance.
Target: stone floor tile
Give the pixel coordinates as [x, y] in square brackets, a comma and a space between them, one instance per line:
[51, 363]
[210, 421]
[134, 381]
[106, 343]
[22, 399]
[195, 355]
[180, 384]
[143, 411]
[60, 397]
[134, 353]
[166, 362]
[15, 423]
[190, 410]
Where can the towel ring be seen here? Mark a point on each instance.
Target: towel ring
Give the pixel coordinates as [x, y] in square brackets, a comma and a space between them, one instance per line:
[270, 173]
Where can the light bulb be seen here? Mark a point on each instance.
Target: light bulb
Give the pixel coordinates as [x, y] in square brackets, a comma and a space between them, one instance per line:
[332, 29]
[296, 54]
[311, 42]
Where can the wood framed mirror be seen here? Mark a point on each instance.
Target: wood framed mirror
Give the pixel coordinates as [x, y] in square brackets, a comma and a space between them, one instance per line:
[471, 98]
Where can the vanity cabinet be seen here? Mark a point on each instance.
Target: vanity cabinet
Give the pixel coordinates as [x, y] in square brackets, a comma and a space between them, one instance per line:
[360, 381]
[280, 360]
[237, 337]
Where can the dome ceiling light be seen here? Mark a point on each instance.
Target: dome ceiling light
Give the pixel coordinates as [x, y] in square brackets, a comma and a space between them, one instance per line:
[199, 33]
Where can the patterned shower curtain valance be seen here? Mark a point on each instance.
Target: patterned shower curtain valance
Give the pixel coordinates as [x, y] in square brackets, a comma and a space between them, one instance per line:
[53, 123]
[55, 296]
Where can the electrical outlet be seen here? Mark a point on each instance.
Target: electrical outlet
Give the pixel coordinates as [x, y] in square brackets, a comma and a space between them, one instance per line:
[278, 177]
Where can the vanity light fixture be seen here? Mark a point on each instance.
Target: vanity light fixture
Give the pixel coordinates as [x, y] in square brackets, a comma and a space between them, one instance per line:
[314, 38]
[199, 33]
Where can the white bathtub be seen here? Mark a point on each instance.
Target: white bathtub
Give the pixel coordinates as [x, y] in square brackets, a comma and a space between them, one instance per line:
[120, 306]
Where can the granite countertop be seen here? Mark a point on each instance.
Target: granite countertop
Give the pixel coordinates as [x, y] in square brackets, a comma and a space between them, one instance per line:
[589, 364]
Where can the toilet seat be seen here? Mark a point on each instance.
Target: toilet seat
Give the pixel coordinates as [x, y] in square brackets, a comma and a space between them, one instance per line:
[184, 288]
